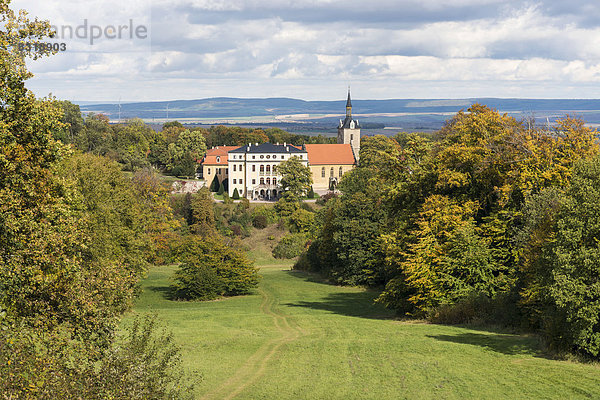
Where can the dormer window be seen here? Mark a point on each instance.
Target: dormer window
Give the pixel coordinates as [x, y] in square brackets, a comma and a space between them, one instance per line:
[218, 159]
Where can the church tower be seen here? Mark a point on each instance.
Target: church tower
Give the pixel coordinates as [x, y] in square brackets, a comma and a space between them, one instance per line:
[349, 130]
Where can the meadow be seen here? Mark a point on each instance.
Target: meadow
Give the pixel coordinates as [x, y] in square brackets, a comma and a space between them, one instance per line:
[299, 338]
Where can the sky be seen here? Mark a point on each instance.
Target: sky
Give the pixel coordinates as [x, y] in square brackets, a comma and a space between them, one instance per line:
[313, 50]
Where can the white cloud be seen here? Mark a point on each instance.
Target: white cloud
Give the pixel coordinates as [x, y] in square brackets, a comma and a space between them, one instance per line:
[250, 48]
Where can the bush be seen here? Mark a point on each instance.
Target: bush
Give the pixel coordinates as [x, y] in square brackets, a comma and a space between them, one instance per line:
[326, 197]
[142, 364]
[268, 212]
[214, 186]
[301, 221]
[311, 193]
[259, 222]
[198, 282]
[479, 309]
[285, 207]
[235, 195]
[290, 246]
[211, 268]
[236, 229]
[221, 188]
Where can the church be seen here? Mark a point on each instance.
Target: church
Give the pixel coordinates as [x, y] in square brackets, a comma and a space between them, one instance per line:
[252, 168]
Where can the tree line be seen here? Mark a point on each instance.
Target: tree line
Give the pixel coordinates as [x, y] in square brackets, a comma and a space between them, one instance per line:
[494, 220]
[175, 149]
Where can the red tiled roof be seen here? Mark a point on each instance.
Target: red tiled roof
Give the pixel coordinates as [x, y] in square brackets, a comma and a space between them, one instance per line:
[330, 154]
[220, 151]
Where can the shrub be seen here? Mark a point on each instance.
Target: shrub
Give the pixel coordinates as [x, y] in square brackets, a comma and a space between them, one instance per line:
[285, 207]
[203, 259]
[214, 186]
[311, 193]
[268, 212]
[290, 246]
[236, 229]
[235, 195]
[198, 282]
[142, 364]
[259, 222]
[221, 188]
[326, 197]
[301, 221]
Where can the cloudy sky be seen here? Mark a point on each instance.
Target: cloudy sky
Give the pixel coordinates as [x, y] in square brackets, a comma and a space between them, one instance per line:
[314, 49]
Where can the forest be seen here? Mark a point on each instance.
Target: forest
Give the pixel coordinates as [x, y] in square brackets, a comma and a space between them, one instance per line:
[492, 221]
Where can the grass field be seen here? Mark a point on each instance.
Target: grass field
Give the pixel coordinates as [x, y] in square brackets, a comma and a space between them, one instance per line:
[297, 338]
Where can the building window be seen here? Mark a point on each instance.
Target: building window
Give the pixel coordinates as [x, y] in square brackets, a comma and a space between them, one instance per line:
[331, 172]
[234, 168]
[218, 171]
[218, 159]
[262, 181]
[241, 182]
[268, 156]
[341, 171]
[274, 181]
[301, 156]
[268, 169]
[274, 168]
[253, 168]
[351, 137]
[268, 181]
[254, 157]
[282, 156]
[254, 181]
[234, 181]
[208, 171]
[323, 172]
[262, 169]
[262, 156]
[227, 171]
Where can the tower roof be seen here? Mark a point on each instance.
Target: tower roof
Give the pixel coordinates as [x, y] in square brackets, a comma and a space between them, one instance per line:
[349, 102]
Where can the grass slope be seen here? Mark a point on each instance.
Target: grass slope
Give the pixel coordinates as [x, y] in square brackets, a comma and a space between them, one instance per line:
[297, 338]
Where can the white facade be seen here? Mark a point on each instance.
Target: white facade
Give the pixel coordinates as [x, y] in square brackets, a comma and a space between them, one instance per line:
[253, 169]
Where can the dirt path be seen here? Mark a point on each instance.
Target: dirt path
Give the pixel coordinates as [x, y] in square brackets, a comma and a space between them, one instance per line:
[255, 366]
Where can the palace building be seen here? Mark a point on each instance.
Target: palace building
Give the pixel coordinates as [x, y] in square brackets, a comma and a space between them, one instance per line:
[252, 168]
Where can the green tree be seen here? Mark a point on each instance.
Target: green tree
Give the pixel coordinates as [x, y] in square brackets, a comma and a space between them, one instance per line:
[567, 278]
[214, 185]
[236, 195]
[203, 217]
[211, 268]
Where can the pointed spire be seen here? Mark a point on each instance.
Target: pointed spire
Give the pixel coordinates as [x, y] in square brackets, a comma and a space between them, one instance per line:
[349, 102]
[349, 105]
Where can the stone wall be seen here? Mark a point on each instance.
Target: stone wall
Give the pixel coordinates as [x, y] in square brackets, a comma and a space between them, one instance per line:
[187, 186]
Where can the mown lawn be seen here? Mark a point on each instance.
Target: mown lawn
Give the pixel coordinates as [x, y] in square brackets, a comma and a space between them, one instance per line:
[297, 338]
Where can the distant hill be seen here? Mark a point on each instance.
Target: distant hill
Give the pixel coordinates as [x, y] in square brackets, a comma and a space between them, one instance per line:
[408, 114]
